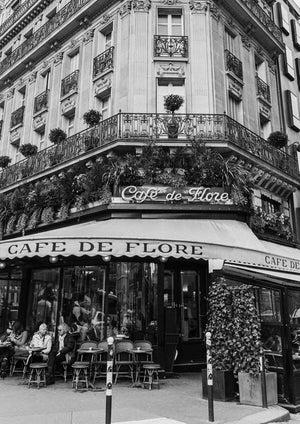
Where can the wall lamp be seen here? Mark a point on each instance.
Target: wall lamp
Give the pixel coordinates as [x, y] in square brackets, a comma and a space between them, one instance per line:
[163, 259]
[53, 259]
[2, 265]
[106, 258]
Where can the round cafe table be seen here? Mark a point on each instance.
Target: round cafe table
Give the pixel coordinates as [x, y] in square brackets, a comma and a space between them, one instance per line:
[90, 353]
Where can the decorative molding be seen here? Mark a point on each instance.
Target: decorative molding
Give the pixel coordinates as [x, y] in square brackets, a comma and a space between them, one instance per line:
[170, 2]
[235, 89]
[10, 93]
[214, 11]
[167, 70]
[105, 19]
[272, 66]
[73, 43]
[125, 9]
[246, 42]
[198, 6]
[45, 64]
[32, 77]
[141, 5]
[15, 137]
[88, 36]
[39, 123]
[103, 86]
[264, 112]
[68, 107]
[58, 58]
[20, 82]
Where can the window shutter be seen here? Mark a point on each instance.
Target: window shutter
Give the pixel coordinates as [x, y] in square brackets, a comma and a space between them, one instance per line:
[283, 17]
[293, 110]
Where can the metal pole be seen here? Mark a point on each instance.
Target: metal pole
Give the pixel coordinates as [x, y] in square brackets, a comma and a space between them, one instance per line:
[263, 378]
[109, 376]
[210, 393]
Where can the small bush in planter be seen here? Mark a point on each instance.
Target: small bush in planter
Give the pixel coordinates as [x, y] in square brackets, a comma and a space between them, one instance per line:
[28, 149]
[92, 117]
[278, 139]
[173, 102]
[57, 135]
[4, 161]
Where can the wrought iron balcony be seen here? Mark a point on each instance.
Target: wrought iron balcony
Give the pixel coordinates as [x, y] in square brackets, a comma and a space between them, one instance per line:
[17, 117]
[264, 18]
[170, 46]
[138, 127]
[233, 64]
[263, 90]
[42, 33]
[70, 83]
[103, 62]
[41, 102]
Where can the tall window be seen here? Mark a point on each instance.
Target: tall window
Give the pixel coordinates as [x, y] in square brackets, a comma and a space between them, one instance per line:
[260, 68]
[166, 87]
[74, 61]
[170, 22]
[230, 41]
[70, 126]
[234, 109]
[105, 107]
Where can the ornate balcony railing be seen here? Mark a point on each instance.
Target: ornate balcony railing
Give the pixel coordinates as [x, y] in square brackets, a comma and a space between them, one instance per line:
[103, 62]
[170, 46]
[69, 83]
[17, 117]
[41, 102]
[151, 126]
[42, 33]
[233, 64]
[264, 19]
[263, 89]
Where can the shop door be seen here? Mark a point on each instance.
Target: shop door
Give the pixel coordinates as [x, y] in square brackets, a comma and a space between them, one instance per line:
[185, 313]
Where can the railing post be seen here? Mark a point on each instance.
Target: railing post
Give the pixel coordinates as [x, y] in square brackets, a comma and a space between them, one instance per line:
[109, 377]
[210, 394]
[263, 378]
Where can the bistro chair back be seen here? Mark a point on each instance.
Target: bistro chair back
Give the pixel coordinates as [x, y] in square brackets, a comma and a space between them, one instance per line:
[99, 365]
[124, 359]
[85, 345]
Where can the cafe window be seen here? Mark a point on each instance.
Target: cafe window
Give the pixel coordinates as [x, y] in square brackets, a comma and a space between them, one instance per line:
[269, 205]
[9, 301]
[269, 305]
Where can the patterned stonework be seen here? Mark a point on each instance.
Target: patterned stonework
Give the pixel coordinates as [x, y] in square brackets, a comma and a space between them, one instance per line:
[246, 42]
[10, 93]
[58, 58]
[32, 77]
[103, 84]
[125, 9]
[198, 6]
[88, 36]
[141, 5]
[105, 19]
[170, 2]
[170, 69]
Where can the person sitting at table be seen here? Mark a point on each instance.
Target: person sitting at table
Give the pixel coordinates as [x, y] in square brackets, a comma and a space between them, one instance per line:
[15, 339]
[41, 339]
[63, 350]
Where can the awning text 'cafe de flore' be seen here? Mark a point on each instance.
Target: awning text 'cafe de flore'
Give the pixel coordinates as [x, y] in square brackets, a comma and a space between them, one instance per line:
[149, 269]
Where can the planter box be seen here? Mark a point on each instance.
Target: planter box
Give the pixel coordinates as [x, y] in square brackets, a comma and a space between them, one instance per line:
[251, 391]
[224, 385]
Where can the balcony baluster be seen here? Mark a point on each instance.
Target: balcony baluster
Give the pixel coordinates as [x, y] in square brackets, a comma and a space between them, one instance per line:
[17, 117]
[263, 90]
[41, 102]
[70, 83]
[233, 64]
[170, 46]
[103, 62]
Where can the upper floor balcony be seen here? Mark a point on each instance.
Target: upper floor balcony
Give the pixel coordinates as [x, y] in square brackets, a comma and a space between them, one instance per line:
[41, 102]
[103, 62]
[233, 64]
[17, 117]
[70, 83]
[170, 46]
[132, 130]
[59, 27]
[25, 13]
[256, 22]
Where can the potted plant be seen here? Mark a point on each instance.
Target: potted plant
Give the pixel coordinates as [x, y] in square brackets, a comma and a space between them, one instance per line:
[57, 135]
[234, 323]
[92, 117]
[28, 149]
[278, 139]
[172, 103]
[4, 161]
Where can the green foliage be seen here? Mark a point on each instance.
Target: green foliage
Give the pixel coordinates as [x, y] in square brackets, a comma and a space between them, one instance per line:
[4, 161]
[278, 139]
[235, 326]
[28, 149]
[57, 135]
[173, 102]
[92, 117]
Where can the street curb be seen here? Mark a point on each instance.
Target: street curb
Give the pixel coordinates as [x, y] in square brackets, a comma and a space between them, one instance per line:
[270, 415]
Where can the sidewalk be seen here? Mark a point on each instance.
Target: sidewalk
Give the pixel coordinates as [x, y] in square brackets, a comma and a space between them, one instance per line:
[178, 401]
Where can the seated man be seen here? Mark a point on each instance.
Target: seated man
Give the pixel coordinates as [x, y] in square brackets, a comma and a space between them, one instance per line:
[43, 340]
[63, 348]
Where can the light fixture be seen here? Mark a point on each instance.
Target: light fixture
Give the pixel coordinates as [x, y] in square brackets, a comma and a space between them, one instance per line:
[53, 259]
[2, 265]
[106, 258]
[163, 259]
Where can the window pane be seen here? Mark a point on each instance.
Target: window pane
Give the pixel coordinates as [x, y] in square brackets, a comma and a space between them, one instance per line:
[269, 305]
[294, 306]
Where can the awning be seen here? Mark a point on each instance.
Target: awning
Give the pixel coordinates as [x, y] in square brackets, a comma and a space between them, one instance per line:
[228, 240]
[264, 273]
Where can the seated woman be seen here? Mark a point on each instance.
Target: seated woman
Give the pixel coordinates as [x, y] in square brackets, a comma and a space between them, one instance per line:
[41, 339]
[16, 339]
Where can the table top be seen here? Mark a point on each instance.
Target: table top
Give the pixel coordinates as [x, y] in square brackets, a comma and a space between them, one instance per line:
[136, 350]
[91, 350]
